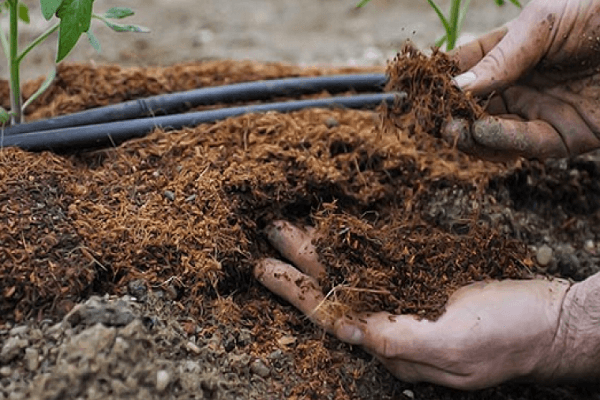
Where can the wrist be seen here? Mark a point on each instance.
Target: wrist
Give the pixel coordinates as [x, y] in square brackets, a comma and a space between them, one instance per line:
[576, 346]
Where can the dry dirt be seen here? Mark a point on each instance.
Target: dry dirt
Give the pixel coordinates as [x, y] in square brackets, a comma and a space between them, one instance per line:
[166, 229]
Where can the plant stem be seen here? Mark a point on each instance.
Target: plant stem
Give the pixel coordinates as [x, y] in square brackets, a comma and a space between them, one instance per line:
[37, 41]
[453, 22]
[15, 82]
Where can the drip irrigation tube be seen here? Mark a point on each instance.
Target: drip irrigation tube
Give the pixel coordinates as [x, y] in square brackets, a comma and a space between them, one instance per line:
[113, 133]
[178, 102]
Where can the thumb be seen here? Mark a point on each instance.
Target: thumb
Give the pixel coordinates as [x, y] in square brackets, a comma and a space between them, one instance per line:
[390, 336]
[519, 51]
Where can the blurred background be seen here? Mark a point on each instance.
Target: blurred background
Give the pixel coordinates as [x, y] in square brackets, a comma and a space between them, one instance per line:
[304, 32]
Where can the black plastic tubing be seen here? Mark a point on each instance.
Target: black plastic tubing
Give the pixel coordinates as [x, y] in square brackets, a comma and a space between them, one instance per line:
[113, 133]
[178, 102]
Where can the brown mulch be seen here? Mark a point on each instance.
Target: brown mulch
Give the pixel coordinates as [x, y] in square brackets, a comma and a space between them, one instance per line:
[185, 211]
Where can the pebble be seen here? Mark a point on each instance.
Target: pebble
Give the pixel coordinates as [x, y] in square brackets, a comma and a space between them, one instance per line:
[259, 368]
[5, 371]
[162, 380]
[192, 347]
[544, 255]
[12, 347]
[589, 246]
[190, 198]
[32, 359]
[409, 393]
[19, 330]
[170, 195]
[332, 122]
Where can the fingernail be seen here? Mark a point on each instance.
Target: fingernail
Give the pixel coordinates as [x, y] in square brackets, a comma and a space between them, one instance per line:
[350, 334]
[465, 79]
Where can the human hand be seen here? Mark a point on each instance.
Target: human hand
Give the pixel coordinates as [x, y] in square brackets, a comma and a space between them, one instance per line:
[543, 69]
[490, 332]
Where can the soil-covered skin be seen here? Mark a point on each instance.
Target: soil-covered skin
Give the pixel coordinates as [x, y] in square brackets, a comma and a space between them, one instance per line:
[169, 227]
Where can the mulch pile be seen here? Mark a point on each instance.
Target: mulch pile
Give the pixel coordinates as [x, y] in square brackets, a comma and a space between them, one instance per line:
[184, 212]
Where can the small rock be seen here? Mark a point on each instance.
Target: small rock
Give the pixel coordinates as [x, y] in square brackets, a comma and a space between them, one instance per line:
[568, 265]
[32, 359]
[544, 255]
[11, 349]
[192, 347]
[229, 343]
[138, 289]
[589, 246]
[162, 380]
[192, 367]
[169, 195]
[332, 122]
[276, 355]
[259, 368]
[190, 198]
[97, 310]
[409, 394]
[244, 338]
[19, 330]
[5, 371]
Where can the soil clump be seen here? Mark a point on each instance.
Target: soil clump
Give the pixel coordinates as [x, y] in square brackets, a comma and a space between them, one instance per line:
[173, 223]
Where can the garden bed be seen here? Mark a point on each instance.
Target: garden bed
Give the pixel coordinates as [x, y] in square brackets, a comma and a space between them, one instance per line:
[177, 221]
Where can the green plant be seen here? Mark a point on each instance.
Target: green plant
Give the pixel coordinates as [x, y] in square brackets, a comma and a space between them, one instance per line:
[75, 19]
[452, 23]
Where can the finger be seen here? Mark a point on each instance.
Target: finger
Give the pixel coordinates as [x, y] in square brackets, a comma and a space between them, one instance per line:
[519, 51]
[457, 133]
[468, 55]
[301, 290]
[530, 139]
[566, 120]
[296, 245]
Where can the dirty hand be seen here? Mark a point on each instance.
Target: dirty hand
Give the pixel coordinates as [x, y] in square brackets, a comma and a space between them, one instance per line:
[543, 69]
[541, 330]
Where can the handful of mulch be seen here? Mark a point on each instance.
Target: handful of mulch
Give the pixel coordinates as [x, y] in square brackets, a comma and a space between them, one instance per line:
[432, 99]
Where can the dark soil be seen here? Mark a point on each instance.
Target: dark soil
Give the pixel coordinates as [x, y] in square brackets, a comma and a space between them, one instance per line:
[175, 222]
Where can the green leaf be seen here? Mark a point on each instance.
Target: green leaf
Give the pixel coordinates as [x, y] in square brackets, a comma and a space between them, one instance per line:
[75, 18]
[125, 28]
[516, 3]
[362, 3]
[43, 87]
[49, 7]
[4, 116]
[94, 41]
[119, 13]
[442, 18]
[23, 13]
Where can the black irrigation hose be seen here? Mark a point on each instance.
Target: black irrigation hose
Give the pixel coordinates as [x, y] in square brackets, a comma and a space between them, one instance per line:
[112, 133]
[178, 102]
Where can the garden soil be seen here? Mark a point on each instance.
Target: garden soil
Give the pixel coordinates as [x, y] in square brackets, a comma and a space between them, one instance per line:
[126, 272]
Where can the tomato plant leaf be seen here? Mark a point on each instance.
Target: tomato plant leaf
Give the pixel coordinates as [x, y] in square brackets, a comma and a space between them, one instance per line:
[49, 7]
[75, 18]
[124, 28]
[94, 41]
[362, 3]
[23, 13]
[118, 13]
[4, 116]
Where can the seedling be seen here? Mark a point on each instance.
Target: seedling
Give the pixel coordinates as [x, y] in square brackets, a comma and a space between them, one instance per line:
[75, 18]
[452, 23]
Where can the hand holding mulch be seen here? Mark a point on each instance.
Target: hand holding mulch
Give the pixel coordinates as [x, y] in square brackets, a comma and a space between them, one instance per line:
[542, 70]
[491, 332]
